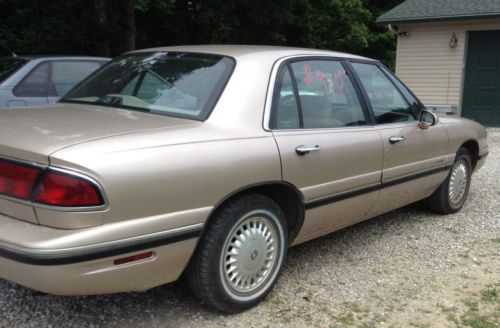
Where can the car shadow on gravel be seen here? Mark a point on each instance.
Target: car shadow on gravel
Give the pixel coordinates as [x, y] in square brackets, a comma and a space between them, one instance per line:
[174, 303]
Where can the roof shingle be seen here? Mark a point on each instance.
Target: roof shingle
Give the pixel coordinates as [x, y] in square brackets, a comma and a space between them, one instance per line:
[441, 10]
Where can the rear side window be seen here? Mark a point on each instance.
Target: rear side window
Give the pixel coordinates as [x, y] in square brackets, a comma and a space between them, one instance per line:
[35, 84]
[387, 102]
[66, 74]
[287, 111]
[326, 97]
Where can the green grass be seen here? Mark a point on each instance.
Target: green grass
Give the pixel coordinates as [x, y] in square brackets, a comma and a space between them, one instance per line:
[275, 300]
[489, 295]
[346, 320]
[464, 255]
[484, 311]
[472, 306]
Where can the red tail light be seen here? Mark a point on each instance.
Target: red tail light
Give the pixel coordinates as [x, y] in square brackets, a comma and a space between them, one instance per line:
[61, 189]
[17, 180]
[48, 186]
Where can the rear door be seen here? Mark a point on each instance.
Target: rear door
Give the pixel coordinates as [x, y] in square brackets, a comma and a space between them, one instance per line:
[328, 149]
[409, 151]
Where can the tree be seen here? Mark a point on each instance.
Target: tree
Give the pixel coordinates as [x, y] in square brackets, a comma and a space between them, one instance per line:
[110, 27]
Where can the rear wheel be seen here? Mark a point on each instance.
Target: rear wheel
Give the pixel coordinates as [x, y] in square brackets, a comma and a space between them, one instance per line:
[240, 255]
[452, 193]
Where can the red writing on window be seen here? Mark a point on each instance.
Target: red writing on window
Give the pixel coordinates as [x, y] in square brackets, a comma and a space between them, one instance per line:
[308, 77]
[331, 83]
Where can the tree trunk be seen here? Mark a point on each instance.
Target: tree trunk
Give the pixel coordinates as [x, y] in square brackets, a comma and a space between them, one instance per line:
[102, 22]
[129, 25]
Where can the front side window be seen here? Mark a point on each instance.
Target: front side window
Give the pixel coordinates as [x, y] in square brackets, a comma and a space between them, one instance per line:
[173, 84]
[326, 96]
[410, 98]
[387, 102]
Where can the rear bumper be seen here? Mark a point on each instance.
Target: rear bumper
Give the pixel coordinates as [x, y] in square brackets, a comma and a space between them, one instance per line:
[87, 267]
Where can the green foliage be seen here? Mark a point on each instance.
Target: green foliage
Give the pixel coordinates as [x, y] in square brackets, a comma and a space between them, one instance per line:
[99, 27]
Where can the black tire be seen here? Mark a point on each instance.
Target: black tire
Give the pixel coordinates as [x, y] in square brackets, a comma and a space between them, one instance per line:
[446, 201]
[223, 246]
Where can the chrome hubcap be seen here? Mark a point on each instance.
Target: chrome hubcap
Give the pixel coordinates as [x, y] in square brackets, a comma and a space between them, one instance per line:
[250, 254]
[458, 182]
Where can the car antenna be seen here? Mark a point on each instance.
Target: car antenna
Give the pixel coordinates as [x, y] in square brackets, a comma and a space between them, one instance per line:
[14, 54]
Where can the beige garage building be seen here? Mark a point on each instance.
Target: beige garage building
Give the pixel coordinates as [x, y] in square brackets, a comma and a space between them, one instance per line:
[448, 53]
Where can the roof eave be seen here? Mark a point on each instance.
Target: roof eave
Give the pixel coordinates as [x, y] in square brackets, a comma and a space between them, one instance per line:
[415, 20]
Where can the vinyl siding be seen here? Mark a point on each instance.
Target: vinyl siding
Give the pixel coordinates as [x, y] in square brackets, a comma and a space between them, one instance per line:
[426, 63]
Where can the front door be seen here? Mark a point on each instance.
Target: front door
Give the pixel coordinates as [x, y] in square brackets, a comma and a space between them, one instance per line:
[410, 152]
[327, 149]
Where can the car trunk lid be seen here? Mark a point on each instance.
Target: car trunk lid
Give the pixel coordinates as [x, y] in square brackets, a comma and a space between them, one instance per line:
[31, 135]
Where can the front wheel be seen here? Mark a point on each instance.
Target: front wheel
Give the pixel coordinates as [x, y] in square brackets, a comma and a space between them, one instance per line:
[452, 193]
[240, 255]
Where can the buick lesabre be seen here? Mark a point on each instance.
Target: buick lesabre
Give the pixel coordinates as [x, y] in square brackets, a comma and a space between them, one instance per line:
[209, 162]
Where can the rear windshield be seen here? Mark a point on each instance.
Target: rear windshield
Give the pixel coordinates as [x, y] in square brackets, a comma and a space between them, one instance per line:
[166, 83]
[9, 66]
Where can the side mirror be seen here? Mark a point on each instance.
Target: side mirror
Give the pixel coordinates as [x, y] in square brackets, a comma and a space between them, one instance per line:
[427, 119]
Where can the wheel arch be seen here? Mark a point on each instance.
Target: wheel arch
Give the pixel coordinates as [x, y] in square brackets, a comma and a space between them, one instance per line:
[284, 194]
[472, 147]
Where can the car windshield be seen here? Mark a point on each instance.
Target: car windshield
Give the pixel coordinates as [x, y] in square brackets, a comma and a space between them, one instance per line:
[166, 83]
[10, 65]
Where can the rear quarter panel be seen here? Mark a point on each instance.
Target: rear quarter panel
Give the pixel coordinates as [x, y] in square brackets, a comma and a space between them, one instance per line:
[180, 168]
[150, 174]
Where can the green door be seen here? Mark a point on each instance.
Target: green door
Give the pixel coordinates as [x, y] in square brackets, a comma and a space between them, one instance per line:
[481, 100]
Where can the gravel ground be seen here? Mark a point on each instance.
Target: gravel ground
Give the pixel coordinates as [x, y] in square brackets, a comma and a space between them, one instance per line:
[402, 269]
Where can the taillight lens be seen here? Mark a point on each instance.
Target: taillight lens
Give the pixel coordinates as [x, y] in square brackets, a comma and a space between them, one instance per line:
[47, 186]
[66, 190]
[17, 180]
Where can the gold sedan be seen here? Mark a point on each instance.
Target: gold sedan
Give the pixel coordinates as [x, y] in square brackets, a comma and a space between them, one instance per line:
[210, 161]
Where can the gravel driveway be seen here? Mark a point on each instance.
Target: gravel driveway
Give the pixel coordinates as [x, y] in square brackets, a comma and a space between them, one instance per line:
[405, 268]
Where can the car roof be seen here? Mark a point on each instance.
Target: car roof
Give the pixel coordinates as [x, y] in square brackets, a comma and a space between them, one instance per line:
[33, 57]
[237, 51]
